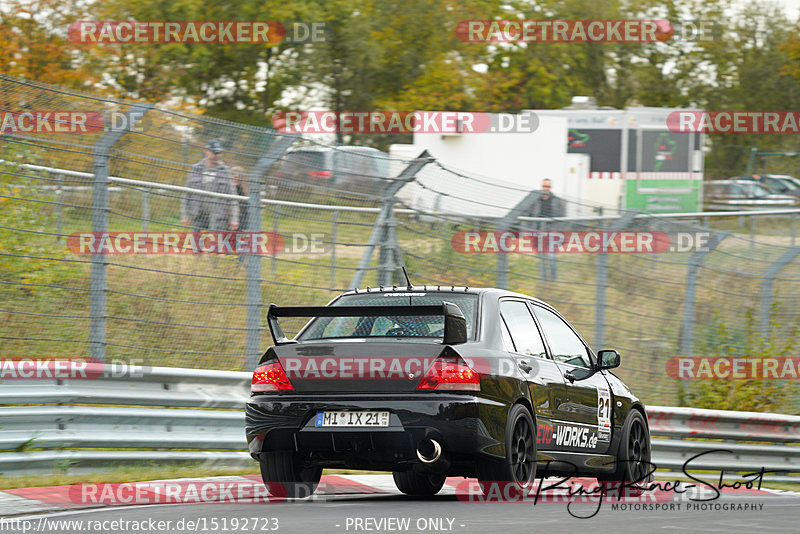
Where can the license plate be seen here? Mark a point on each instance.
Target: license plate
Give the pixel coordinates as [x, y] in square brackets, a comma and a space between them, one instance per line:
[352, 419]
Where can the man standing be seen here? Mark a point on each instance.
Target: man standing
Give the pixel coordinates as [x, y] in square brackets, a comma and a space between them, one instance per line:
[207, 212]
[548, 205]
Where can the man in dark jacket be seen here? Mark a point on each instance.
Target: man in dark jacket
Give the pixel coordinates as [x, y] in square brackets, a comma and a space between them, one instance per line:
[548, 205]
[206, 212]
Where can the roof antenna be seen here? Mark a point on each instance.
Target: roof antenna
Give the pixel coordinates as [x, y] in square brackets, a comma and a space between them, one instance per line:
[410, 286]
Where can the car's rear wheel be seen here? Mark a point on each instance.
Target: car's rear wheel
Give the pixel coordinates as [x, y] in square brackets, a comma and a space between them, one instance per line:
[412, 483]
[284, 475]
[633, 456]
[517, 472]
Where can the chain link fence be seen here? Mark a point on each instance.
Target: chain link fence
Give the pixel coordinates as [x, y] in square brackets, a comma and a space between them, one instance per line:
[342, 217]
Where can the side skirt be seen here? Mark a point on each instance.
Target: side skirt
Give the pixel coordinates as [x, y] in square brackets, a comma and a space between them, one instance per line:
[559, 463]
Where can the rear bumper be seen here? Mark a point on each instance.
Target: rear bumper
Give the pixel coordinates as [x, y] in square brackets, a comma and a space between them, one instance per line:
[287, 422]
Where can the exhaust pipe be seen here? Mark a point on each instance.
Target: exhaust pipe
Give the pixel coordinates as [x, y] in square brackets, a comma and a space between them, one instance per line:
[429, 451]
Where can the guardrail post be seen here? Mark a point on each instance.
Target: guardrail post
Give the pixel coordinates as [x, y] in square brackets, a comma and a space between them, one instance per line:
[601, 282]
[766, 285]
[255, 180]
[695, 261]
[380, 233]
[506, 224]
[794, 216]
[97, 307]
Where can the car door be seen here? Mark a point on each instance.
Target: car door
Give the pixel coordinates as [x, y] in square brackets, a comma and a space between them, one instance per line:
[524, 343]
[588, 406]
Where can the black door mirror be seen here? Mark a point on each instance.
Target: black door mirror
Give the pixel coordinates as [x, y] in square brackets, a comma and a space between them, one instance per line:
[607, 359]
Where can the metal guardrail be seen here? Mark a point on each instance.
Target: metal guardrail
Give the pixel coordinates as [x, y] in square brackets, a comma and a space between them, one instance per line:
[170, 415]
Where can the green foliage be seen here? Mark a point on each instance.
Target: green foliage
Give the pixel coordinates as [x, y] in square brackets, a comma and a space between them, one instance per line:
[25, 213]
[720, 339]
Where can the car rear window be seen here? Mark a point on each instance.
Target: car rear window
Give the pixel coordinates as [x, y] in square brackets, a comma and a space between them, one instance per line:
[426, 326]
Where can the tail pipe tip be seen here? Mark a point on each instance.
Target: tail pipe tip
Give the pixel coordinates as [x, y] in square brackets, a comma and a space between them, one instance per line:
[429, 451]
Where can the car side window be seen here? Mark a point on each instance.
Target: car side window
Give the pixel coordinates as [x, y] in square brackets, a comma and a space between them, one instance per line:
[522, 328]
[565, 345]
[508, 343]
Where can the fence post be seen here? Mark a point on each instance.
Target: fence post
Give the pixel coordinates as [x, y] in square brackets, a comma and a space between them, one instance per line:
[506, 224]
[380, 234]
[60, 208]
[695, 261]
[97, 306]
[276, 216]
[389, 257]
[255, 180]
[601, 282]
[334, 228]
[145, 208]
[766, 285]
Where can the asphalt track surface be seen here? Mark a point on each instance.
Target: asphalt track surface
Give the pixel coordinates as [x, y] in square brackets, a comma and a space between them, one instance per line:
[450, 512]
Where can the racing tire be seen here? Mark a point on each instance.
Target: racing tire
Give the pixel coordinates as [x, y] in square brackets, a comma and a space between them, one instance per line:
[284, 475]
[417, 484]
[517, 472]
[633, 454]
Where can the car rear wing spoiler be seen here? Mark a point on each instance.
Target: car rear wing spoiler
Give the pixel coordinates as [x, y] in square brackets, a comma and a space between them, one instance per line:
[455, 324]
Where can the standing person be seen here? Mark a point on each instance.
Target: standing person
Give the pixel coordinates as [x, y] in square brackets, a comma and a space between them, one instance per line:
[241, 190]
[205, 212]
[548, 205]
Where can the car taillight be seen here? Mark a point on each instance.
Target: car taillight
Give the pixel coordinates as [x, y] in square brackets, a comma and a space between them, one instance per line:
[320, 174]
[270, 377]
[450, 373]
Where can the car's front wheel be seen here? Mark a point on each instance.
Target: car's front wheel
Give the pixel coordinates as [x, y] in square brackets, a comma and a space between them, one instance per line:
[633, 456]
[517, 472]
[284, 475]
[412, 483]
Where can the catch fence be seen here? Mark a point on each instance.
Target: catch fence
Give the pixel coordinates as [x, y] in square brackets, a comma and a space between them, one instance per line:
[728, 287]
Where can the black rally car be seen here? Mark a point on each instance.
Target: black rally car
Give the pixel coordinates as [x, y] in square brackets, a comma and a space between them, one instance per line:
[435, 382]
